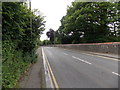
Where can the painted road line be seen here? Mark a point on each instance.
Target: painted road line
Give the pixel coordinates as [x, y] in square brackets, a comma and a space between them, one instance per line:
[52, 75]
[50, 78]
[47, 73]
[97, 56]
[65, 53]
[102, 57]
[81, 60]
[115, 73]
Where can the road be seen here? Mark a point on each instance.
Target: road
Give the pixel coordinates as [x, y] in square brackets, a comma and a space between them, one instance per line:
[75, 69]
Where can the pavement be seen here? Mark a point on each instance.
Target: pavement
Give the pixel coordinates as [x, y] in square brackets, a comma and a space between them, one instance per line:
[77, 69]
[34, 78]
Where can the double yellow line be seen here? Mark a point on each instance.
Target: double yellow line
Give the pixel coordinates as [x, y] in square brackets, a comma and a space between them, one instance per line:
[50, 73]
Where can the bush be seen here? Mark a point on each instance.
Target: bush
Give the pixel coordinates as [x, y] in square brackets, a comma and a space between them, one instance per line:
[19, 41]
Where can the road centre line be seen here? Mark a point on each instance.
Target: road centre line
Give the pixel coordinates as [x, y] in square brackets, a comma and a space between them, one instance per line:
[115, 73]
[102, 57]
[97, 56]
[81, 60]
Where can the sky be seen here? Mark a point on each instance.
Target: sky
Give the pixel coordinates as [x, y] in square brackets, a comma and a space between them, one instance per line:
[53, 10]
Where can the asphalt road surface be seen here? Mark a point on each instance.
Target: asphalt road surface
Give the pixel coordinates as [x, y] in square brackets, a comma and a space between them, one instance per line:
[74, 69]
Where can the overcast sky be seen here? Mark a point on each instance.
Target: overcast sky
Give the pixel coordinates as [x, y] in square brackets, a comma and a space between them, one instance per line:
[53, 10]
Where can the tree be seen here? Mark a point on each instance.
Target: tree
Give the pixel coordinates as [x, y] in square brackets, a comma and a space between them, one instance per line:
[90, 22]
[21, 30]
[50, 34]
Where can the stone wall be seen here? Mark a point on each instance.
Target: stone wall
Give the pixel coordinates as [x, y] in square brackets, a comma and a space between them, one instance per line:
[110, 48]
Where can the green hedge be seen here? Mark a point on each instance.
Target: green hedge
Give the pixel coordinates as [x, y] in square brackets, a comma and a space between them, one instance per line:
[19, 40]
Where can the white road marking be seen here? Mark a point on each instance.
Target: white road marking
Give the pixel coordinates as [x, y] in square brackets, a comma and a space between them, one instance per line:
[65, 53]
[47, 72]
[81, 60]
[115, 73]
[98, 56]
[50, 72]
[102, 57]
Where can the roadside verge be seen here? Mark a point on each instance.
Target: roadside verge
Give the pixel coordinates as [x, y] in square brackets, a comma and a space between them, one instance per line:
[34, 78]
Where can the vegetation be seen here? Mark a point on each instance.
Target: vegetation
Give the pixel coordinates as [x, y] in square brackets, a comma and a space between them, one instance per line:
[21, 30]
[45, 42]
[90, 22]
[85, 22]
[51, 34]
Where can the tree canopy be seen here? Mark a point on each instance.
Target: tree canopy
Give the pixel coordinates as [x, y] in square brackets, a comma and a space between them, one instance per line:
[90, 22]
[50, 34]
